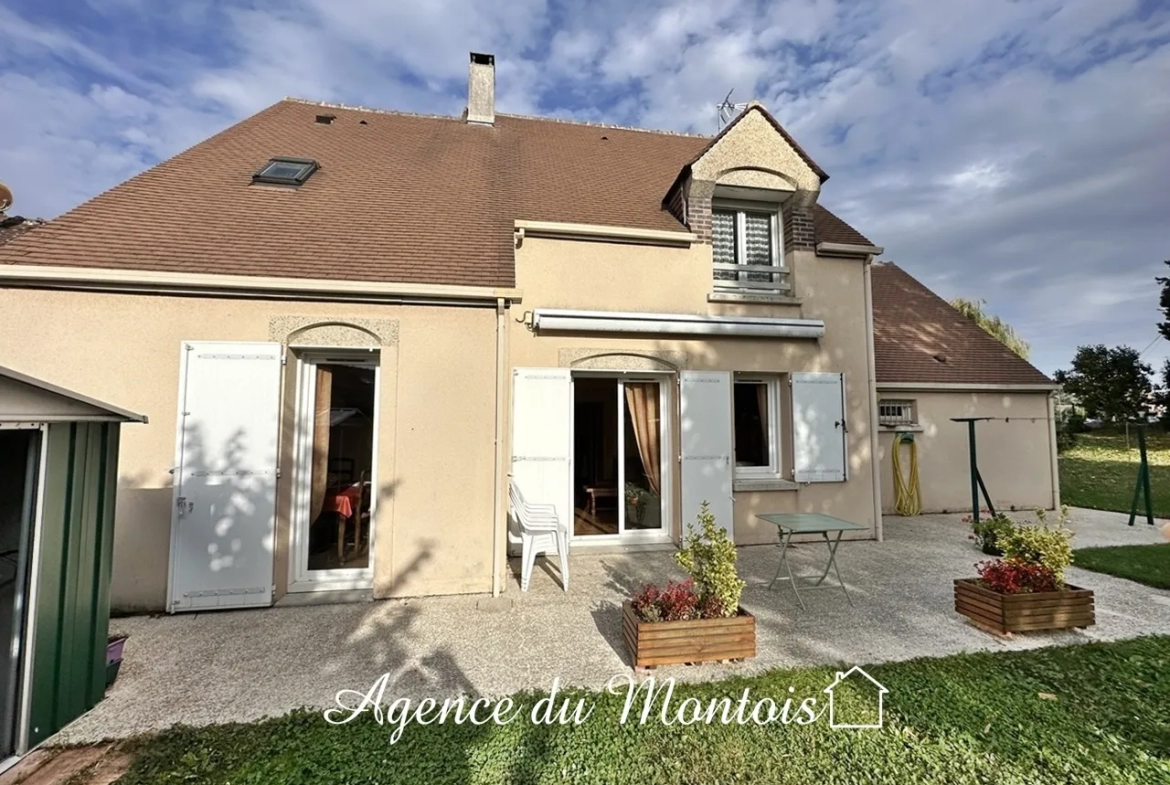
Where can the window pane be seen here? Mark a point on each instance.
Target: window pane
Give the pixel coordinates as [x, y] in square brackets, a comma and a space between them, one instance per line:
[751, 424]
[723, 242]
[758, 243]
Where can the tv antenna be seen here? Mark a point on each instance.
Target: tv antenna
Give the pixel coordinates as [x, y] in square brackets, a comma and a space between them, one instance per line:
[727, 110]
[5, 197]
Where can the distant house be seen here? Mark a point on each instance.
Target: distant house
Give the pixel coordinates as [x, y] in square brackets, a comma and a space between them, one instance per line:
[349, 327]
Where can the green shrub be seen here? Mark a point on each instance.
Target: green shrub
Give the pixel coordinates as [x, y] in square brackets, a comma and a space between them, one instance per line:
[708, 556]
[1046, 545]
[988, 531]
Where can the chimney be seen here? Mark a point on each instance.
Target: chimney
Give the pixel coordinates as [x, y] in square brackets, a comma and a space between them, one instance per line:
[481, 89]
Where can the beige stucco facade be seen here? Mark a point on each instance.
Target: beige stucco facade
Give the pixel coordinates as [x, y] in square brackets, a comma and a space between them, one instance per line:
[435, 440]
[601, 276]
[1016, 450]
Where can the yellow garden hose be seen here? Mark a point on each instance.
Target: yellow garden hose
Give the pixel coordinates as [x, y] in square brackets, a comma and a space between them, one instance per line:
[908, 496]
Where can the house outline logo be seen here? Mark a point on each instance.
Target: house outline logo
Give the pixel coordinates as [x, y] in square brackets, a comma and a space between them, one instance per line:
[882, 690]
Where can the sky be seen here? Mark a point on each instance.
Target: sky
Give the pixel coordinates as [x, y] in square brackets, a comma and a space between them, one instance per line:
[1014, 152]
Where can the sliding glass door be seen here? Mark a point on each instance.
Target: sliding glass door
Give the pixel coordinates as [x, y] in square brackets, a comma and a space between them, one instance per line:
[620, 466]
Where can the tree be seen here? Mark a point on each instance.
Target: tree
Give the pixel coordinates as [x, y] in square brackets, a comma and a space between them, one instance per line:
[1112, 384]
[1164, 303]
[994, 326]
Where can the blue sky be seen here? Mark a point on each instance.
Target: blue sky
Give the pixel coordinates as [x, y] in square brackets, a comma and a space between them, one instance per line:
[1017, 152]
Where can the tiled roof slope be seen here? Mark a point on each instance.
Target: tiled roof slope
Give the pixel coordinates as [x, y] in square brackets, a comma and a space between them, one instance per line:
[398, 197]
[912, 326]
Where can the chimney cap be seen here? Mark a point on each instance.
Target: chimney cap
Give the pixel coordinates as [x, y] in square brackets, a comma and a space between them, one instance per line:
[479, 58]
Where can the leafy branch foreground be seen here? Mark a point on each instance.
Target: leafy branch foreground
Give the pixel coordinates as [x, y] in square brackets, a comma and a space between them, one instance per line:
[1089, 713]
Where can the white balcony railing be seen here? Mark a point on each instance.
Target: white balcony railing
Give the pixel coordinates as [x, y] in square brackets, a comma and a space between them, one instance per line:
[751, 279]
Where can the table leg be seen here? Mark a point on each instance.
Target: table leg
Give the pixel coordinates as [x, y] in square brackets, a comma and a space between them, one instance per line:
[341, 519]
[785, 539]
[833, 563]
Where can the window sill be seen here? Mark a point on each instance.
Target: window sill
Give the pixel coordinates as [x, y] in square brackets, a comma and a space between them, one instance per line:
[769, 299]
[901, 429]
[763, 484]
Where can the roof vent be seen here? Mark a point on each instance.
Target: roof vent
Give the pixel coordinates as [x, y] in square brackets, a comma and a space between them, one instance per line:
[481, 89]
[942, 358]
[326, 119]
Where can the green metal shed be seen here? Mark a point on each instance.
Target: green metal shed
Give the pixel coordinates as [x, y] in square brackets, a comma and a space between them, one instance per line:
[58, 479]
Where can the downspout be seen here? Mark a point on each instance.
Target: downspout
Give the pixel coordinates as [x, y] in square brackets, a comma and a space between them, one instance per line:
[871, 372]
[500, 518]
[1053, 464]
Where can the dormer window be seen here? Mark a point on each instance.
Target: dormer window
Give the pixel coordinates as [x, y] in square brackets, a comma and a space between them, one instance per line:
[286, 171]
[747, 248]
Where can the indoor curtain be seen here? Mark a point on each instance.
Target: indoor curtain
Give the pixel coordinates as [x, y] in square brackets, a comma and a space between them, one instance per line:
[321, 414]
[642, 403]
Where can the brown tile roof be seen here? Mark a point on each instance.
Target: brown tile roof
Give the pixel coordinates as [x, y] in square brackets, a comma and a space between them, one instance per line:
[912, 326]
[398, 197]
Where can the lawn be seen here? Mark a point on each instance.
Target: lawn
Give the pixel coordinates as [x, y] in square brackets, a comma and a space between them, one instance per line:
[1148, 564]
[1090, 713]
[1100, 472]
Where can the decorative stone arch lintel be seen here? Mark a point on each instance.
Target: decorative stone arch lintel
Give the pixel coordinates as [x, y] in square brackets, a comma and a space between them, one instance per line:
[616, 360]
[316, 331]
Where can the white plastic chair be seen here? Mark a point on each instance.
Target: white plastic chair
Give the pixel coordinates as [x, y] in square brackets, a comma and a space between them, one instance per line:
[541, 531]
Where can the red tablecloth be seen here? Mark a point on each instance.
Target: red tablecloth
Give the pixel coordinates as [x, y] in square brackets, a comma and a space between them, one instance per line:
[344, 501]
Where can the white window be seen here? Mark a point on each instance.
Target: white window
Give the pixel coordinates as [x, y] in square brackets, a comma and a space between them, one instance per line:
[756, 415]
[895, 413]
[743, 238]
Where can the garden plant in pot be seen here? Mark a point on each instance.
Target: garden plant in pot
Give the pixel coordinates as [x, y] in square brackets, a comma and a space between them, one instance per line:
[1024, 591]
[699, 619]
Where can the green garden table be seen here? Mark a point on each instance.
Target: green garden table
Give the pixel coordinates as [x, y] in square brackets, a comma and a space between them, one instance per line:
[793, 523]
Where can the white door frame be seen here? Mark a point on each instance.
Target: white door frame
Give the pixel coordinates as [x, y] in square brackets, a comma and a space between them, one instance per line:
[300, 578]
[666, 495]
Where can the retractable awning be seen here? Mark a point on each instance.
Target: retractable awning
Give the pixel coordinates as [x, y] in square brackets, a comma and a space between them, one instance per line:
[675, 324]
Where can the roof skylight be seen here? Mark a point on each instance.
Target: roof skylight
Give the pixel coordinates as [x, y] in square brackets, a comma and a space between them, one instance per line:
[285, 171]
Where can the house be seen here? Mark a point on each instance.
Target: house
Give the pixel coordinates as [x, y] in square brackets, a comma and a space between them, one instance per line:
[58, 479]
[349, 327]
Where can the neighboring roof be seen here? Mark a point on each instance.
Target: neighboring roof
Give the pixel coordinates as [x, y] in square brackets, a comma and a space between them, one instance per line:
[398, 197]
[28, 399]
[912, 326]
[12, 226]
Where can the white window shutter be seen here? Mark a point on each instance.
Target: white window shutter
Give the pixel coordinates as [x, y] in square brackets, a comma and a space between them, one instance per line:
[542, 445]
[705, 421]
[224, 504]
[818, 427]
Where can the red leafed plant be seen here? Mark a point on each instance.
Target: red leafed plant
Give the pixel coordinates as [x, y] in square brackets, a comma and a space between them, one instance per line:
[1012, 576]
[675, 602]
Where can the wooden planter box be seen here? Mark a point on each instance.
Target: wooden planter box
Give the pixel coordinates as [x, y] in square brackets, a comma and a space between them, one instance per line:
[1004, 613]
[702, 640]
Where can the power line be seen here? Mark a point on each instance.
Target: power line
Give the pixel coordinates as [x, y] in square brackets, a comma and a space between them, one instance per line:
[1151, 343]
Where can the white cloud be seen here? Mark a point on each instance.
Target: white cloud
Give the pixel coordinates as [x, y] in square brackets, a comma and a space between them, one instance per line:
[1007, 151]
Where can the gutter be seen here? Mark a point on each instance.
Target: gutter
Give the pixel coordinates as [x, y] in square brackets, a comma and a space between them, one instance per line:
[246, 286]
[626, 234]
[499, 474]
[871, 374]
[966, 387]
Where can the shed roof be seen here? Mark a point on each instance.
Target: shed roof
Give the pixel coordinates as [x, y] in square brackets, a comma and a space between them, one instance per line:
[24, 398]
[919, 337]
